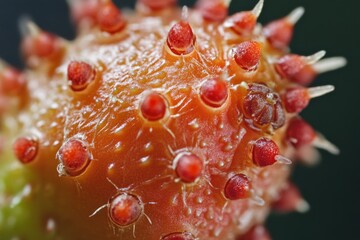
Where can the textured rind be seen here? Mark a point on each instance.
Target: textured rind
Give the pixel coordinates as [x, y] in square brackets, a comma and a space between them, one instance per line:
[136, 155]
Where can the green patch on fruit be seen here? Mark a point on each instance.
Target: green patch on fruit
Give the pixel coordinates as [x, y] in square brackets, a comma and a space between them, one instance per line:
[19, 213]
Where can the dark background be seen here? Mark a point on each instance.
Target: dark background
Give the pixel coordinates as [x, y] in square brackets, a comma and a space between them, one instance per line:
[331, 188]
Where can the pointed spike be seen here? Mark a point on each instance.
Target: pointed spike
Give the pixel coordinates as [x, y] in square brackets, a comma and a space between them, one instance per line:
[256, 198]
[290, 199]
[329, 64]
[283, 160]
[3, 64]
[258, 8]
[308, 155]
[302, 206]
[295, 15]
[28, 27]
[185, 13]
[320, 91]
[321, 142]
[37, 43]
[315, 57]
[227, 3]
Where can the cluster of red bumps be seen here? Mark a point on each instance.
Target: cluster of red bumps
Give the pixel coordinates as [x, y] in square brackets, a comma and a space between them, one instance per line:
[267, 106]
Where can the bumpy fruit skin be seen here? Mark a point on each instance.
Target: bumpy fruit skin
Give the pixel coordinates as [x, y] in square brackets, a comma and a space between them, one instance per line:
[107, 160]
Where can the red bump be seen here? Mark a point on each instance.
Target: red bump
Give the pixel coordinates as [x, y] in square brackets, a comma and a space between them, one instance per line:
[300, 133]
[243, 22]
[80, 74]
[124, 209]
[305, 76]
[247, 55]
[214, 92]
[294, 68]
[279, 33]
[181, 39]
[25, 149]
[296, 99]
[289, 199]
[153, 106]
[188, 167]
[258, 232]
[264, 152]
[237, 187]
[12, 81]
[157, 5]
[213, 10]
[110, 18]
[179, 236]
[42, 45]
[74, 156]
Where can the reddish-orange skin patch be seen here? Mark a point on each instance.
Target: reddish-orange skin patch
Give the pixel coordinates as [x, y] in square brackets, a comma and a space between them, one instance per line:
[110, 18]
[279, 33]
[264, 152]
[296, 99]
[42, 45]
[258, 232]
[247, 55]
[179, 236]
[25, 149]
[300, 133]
[80, 74]
[158, 4]
[288, 200]
[12, 81]
[237, 187]
[214, 92]
[244, 22]
[125, 209]
[188, 167]
[264, 106]
[213, 10]
[153, 106]
[74, 156]
[181, 38]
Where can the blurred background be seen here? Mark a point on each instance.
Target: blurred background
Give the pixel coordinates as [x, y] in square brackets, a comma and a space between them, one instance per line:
[333, 187]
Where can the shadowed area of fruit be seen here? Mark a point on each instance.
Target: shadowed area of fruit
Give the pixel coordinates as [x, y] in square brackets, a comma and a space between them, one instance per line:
[162, 123]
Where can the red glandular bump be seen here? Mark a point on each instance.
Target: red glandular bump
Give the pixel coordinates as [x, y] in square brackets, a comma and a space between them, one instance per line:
[124, 209]
[214, 92]
[188, 167]
[237, 187]
[264, 152]
[181, 39]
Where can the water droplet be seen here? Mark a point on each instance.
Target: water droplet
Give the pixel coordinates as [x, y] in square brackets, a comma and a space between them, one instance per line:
[118, 147]
[194, 124]
[148, 147]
